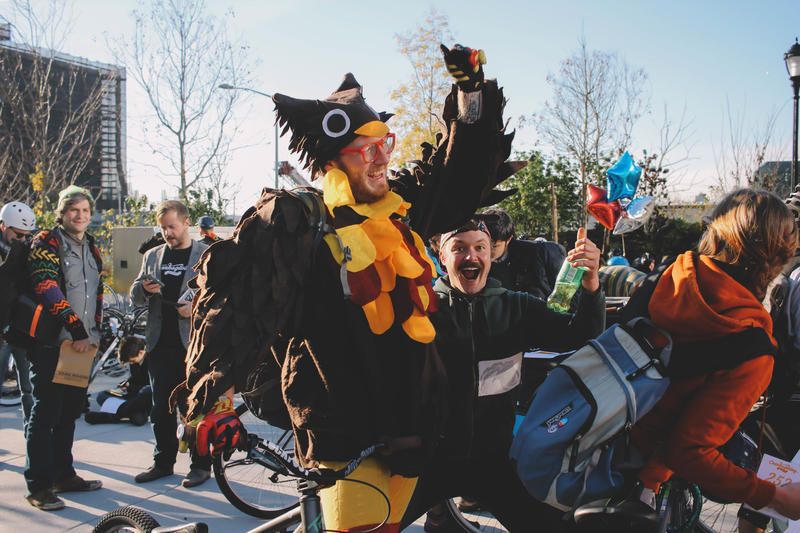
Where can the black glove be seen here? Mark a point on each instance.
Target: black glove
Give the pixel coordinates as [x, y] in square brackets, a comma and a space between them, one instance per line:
[464, 64]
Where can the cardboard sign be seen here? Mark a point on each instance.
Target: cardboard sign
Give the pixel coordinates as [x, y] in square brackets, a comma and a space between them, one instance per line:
[73, 367]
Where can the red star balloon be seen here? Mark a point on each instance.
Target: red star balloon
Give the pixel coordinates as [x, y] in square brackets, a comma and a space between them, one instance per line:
[607, 213]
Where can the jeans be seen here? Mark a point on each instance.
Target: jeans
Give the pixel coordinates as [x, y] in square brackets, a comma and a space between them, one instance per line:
[23, 377]
[167, 370]
[51, 428]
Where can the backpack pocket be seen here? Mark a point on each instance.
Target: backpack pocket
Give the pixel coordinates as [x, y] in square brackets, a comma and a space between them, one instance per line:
[548, 437]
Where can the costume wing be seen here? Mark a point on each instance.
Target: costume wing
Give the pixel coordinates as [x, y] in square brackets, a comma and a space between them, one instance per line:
[459, 175]
[249, 295]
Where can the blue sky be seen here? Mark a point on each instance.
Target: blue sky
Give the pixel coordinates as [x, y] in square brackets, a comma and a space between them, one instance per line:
[697, 54]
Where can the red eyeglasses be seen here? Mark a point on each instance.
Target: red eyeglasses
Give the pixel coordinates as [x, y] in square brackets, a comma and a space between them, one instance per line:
[370, 150]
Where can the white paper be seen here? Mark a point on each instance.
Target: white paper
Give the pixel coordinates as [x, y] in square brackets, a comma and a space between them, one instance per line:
[780, 473]
[111, 405]
[541, 354]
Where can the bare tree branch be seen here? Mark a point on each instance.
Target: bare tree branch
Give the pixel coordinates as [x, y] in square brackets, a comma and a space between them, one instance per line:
[179, 55]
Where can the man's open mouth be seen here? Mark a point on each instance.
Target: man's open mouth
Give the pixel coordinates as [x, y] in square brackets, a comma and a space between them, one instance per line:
[470, 272]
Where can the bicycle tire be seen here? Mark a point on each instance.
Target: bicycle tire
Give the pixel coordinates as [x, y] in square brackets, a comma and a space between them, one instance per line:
[126, 519]
[250, 487]
[473, 522]
[718, 517]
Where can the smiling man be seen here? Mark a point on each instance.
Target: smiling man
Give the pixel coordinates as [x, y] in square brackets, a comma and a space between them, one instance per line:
[65, 273]
[482, 329]
[337, 288]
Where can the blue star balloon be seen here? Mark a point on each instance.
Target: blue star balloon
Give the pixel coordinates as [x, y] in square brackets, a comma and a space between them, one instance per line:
[623, 178]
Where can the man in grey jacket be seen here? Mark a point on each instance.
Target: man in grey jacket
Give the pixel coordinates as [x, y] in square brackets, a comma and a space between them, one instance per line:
[163, 284]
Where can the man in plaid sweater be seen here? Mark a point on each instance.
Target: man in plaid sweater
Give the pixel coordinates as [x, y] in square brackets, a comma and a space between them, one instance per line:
[65, 271]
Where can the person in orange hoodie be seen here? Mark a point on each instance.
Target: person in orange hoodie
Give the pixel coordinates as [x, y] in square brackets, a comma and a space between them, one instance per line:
[706, 295]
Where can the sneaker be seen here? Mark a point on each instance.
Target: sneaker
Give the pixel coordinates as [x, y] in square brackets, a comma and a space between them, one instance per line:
[195, 477]
[45, 500]
[152, 473]
[77, 484]
[11, 398]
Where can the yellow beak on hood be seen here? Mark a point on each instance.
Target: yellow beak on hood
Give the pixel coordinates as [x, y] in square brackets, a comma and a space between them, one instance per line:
[374, 128]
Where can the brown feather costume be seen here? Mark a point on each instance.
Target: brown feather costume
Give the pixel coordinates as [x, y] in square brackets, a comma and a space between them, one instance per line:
[271, 293]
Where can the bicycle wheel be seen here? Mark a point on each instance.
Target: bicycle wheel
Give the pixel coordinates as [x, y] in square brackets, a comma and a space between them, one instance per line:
[129, 519]
[249, 486]
[472, 519]
[718, 517]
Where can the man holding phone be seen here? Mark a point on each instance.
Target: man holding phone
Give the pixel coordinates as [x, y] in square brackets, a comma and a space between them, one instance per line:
[162, 284]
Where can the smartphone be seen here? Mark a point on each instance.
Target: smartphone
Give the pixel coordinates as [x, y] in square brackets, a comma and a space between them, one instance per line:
[150, 277]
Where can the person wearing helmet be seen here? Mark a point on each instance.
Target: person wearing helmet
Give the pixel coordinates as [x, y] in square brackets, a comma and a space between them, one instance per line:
[206, 224]
[17, 222]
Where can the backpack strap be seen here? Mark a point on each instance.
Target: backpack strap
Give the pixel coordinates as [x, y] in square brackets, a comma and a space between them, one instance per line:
[318, 214]
[722, 353]
[638, 304]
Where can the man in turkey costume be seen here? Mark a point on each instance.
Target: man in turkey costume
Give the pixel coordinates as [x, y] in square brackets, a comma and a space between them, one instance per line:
[334, 296]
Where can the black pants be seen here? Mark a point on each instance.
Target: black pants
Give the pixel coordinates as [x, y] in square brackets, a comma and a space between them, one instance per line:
[492, 481]
[167, 370]
[51, 428]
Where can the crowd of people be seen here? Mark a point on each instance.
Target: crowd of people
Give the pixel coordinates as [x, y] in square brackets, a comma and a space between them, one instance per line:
[398, 315]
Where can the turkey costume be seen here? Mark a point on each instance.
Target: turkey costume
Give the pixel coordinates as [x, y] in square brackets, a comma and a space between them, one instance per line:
[327, 302]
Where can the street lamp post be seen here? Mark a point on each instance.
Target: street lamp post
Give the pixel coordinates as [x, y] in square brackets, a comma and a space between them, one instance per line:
[792, 59]
[228, 86]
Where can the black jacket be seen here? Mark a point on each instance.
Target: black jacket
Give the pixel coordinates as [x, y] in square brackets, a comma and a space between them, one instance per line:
[478, 338]
[13, 278]
[530, 267]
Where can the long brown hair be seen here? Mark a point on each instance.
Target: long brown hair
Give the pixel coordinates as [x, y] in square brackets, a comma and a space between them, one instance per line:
[753, 230]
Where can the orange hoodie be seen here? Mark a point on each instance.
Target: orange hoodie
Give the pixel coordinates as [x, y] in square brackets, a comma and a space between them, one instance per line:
[696, 300]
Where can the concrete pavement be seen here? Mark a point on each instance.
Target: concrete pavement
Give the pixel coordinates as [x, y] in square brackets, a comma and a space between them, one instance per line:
[113, 453]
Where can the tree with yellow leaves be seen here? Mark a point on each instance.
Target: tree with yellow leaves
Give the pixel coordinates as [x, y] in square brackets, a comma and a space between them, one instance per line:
[418, 101]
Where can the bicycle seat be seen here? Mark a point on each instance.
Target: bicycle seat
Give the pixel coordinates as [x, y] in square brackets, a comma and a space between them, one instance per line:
[194, 527]
[604, 515]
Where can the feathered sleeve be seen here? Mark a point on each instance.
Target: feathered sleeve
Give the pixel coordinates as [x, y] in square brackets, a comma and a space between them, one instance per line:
[459, 175]
[249, 296]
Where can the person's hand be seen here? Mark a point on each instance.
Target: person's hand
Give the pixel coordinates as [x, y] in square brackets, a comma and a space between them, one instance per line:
[787, 501]
[151, 287]
[220, 430]
[464, 64]
[587, 255]
[81, 346]
[185, 310]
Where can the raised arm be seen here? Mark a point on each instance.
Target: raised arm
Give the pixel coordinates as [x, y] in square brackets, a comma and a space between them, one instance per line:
[457, 176]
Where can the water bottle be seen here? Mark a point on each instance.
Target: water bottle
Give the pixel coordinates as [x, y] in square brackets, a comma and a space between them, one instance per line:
[567, 282]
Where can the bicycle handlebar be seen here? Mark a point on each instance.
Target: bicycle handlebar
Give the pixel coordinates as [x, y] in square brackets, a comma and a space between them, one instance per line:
[289, 466]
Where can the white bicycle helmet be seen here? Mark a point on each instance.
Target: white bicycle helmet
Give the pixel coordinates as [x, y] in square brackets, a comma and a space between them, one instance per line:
[18, 215]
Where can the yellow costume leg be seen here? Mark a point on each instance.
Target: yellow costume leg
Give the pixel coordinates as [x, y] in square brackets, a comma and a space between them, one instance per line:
[349, 506]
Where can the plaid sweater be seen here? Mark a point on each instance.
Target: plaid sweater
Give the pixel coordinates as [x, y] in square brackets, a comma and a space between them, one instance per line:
[44, 267]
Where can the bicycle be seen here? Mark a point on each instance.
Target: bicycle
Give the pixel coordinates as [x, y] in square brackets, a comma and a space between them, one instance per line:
[307, 513]
[116, 326]
[246, 483]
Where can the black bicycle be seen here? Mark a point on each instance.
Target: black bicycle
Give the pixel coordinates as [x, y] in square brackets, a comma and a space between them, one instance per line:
[244, 480]
[307, 513]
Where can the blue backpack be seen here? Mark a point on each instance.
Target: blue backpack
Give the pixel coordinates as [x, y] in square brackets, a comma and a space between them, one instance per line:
[572, 444]
[572, 447]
